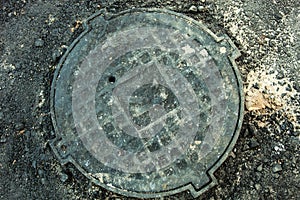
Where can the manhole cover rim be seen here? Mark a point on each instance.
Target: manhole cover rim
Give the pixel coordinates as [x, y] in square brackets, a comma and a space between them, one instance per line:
[188, 187]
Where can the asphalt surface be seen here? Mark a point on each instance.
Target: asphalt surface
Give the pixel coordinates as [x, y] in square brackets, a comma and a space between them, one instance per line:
[265, 161]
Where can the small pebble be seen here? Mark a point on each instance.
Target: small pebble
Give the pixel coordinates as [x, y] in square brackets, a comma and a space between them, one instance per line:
[258, 176]
[257, 187]
[27, 134]
[252, 130]
[19, 126]
[296, 86]
[33, 164]
[43, 181]
[2, 139]
[277, 168]
[201, 8]
[40, 172]
[193, 9]
[63, 177]
[276, 175]
[259, 168]
[39, 43]
[288, 88]
[56, 55]
[256, 85]
[280, 75]
[253, 143]
[246, 147]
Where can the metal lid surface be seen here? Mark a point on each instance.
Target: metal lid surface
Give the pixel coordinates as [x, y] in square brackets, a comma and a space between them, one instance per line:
[147, 103]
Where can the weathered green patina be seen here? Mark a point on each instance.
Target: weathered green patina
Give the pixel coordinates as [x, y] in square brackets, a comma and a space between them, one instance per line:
[147, 103]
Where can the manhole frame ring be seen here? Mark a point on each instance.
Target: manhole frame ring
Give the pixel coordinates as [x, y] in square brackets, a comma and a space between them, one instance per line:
[189, 186]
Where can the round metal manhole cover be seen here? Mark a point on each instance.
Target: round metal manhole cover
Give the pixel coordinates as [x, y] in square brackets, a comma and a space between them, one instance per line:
[147, 103]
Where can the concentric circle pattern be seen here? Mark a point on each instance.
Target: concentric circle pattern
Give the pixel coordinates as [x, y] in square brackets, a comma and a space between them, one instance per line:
[147, 103]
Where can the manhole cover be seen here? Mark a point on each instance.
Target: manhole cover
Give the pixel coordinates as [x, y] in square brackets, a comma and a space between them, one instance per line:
[147, 103]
